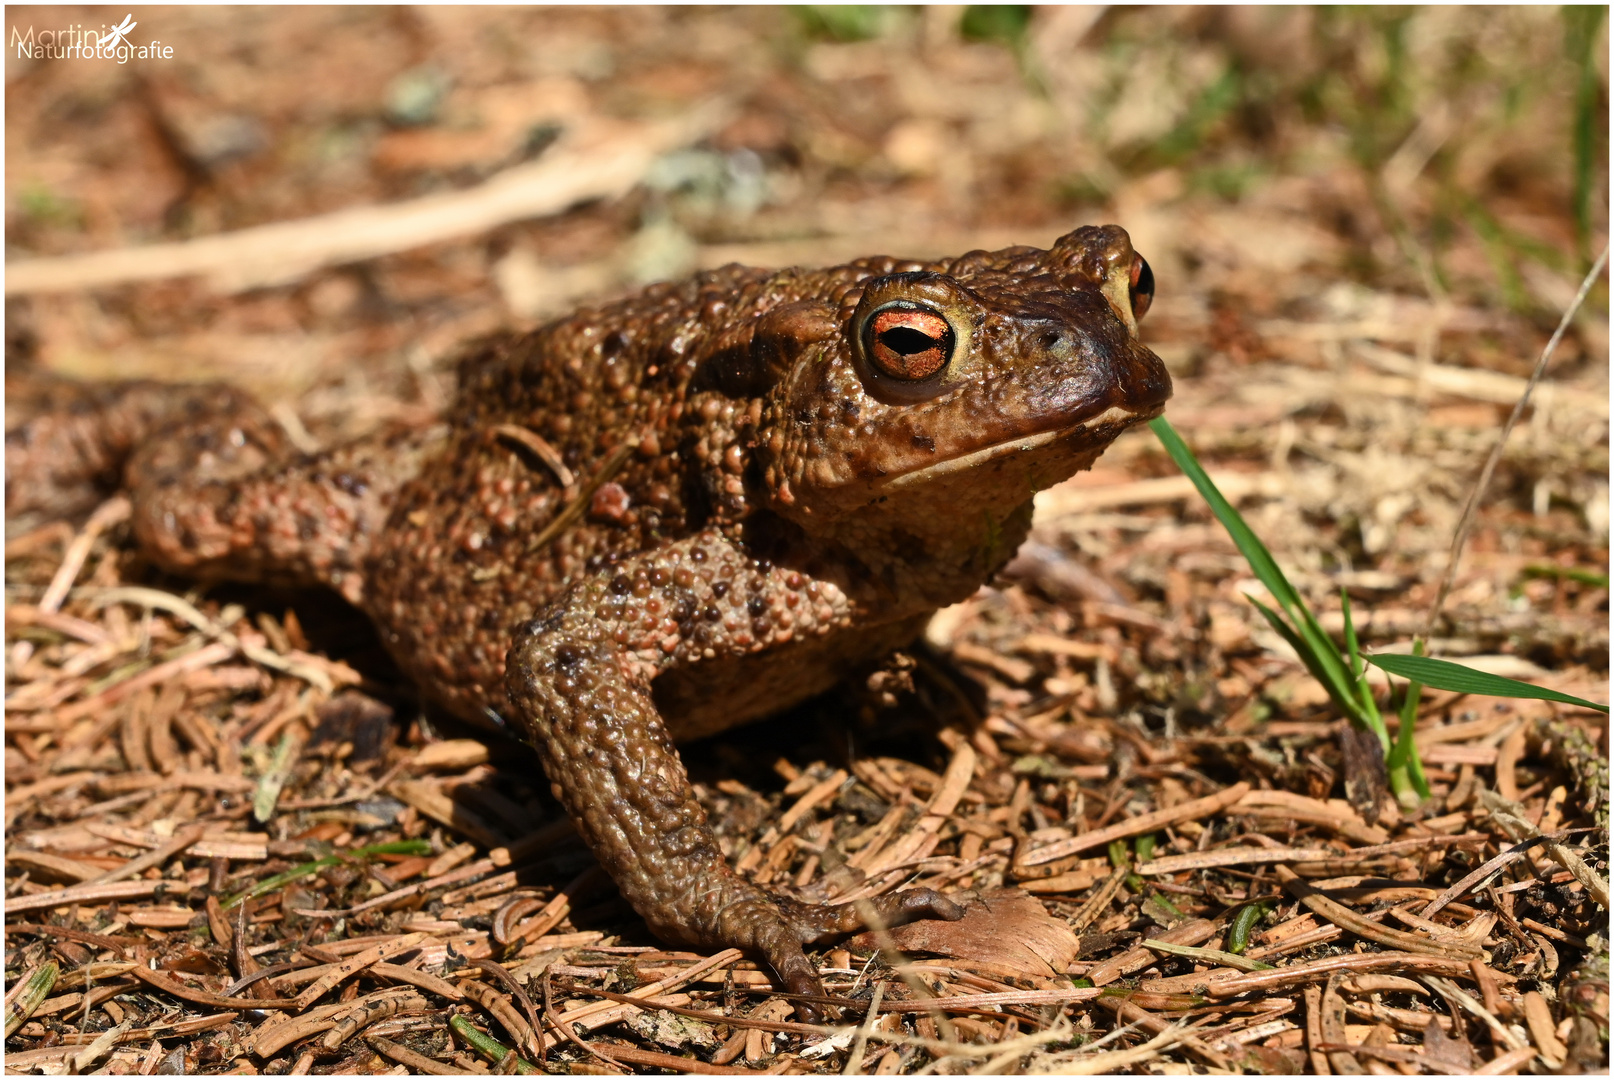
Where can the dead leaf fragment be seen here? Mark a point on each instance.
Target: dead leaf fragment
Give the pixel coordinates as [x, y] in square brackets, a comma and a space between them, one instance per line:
[1455, 1052]
[1006, 929]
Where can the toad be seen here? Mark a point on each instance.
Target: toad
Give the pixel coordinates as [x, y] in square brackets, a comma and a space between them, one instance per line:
[656, 518]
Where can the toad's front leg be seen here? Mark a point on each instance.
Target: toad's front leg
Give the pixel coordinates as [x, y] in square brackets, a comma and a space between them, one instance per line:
[579, 678]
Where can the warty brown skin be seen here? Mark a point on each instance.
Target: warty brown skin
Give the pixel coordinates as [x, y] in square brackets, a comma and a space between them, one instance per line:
[764, 478]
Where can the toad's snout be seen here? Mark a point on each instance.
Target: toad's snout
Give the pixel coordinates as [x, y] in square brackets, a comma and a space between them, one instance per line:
[1142, 384]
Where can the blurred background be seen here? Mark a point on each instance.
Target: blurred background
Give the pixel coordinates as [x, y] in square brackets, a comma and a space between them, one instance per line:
[1364, 223]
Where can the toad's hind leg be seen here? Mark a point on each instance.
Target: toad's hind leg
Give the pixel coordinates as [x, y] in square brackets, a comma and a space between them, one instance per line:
[579, 679]
[71, 453]
[217, 490]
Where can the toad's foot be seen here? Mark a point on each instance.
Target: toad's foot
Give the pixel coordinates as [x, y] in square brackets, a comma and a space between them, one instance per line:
[778, 927]
[579, 676]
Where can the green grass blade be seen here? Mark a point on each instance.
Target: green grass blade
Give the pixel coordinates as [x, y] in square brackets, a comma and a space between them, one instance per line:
[1319, 652]
[1352, 649]
[1402, 762]
[40, 983]
[1364, 692]
[1445, 675]
[1404, 745]
[1326, 652]
[1565, 573]
[1306, 635]
[1580, 41]
[1207, 956]
[1338, 687]
[1288, 634]
[1249, 545]
[492, 1048]
[270, 884]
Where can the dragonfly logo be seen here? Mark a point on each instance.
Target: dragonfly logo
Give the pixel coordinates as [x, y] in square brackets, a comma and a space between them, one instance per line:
[119, 35]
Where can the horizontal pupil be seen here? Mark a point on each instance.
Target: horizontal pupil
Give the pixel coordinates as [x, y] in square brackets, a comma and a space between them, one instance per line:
[906, 341]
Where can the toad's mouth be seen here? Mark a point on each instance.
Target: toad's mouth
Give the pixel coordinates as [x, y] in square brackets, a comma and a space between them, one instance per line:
[1094, 433]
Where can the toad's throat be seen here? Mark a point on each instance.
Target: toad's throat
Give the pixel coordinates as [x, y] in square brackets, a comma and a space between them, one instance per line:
[1100, 429]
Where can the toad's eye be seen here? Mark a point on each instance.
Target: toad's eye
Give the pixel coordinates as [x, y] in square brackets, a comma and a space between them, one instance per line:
[909, 343]
[1142, 287]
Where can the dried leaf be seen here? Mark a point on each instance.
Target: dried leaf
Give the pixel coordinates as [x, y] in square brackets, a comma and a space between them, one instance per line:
[1006, 928]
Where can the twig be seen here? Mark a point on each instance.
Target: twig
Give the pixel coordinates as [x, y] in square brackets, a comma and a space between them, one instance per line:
[944, 1048]
[369, 1010]
[409, 1059]
[992, 1002]
[1149, 822]
[1192, 932]
[579, 503]
[155, 598]
[202, 997]
[206, 656]
[421, 979]
[1458, 997]
[1510, 816]
[1240, 856]
[1175, 864]
[1261, 981]
[655, 1059]
[661, 986]
[1095, 904]
[73, 933]
[279, 1032]
[854, 1060]
[183, 840]
[108, 514]
[518, 992]
[564, 1026]
[1314, 1030]
[94, 894]
[738, 1022]
[1510, 1062]
[354, 964]
[540, 447]
[1130, 1013]
[1347, 919]
[527, 1038]
[1113, 1061]
[1404, 1055]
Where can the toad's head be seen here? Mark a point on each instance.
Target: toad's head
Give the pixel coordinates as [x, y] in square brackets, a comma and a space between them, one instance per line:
[939, 392]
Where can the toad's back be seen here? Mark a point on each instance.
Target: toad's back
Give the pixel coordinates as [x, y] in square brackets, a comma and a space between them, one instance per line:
[595, 437]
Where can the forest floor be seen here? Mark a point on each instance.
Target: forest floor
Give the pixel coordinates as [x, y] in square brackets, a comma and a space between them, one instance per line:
[236, 843]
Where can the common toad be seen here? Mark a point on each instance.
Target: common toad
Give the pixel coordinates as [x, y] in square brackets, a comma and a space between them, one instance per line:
[657, 518]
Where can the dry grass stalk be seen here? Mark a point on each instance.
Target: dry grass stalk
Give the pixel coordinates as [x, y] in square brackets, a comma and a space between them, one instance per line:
[1466, 520]
[602, 161]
